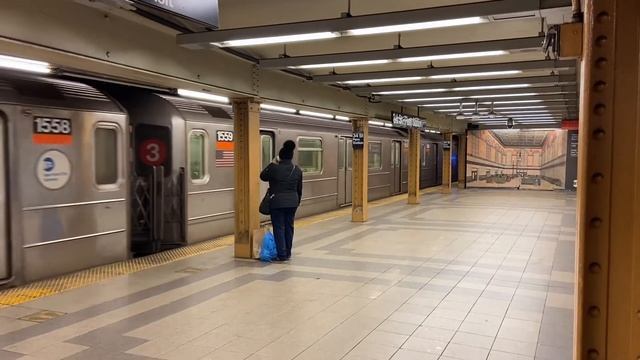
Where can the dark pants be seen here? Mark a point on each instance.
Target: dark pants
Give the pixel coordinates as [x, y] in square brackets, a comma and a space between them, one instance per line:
[282, 222]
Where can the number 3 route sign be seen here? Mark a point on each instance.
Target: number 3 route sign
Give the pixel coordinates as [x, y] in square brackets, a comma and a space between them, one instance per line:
[152, 152]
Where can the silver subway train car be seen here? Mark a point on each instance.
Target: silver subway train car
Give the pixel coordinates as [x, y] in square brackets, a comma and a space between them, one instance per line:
[97, 173]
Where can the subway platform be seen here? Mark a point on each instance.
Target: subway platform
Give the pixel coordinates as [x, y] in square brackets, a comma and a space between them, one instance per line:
[477, 274]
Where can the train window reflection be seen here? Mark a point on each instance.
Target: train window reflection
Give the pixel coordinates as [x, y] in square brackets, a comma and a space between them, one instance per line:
[375, 155]
[198, 156]
[310, 155]
[106, 155]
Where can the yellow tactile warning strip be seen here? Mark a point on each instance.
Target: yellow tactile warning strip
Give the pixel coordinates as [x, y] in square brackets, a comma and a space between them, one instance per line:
[43, 288]
[35, 290]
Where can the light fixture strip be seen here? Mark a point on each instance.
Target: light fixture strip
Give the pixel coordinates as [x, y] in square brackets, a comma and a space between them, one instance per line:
[343, 118]
[476, 74]
[419, 91]
[383, 80]
[416, 26]
[278, 108]
[16, 63]
[454, 56]
[277, 39]
[491, 87]
[315, 114]
[432, 99]
[198, 95]
[342, 64]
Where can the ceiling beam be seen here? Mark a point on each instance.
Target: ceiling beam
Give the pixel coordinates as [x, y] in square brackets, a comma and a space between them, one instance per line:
[486, 94]
[486, 104]
[556, 65]
[534, 81]
[529, 43]
[502, 8]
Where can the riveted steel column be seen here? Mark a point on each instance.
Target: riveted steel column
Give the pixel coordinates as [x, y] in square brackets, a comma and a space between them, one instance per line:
[246, 112]
[360, 173]
[608, 251]
[462, 160]
[414, 166]
[446, 164]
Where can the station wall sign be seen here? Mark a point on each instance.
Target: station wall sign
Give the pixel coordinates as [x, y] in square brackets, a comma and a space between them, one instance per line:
[358, 140]
[204, 11]
[407, 121]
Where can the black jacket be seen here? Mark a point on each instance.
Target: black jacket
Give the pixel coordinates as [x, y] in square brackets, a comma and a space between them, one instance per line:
[285, 183]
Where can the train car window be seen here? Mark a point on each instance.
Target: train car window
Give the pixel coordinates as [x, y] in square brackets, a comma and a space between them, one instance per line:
[267, 149]
[198, 171]
[423, 158]
[106, 155]
[310, 155]
[375, 155]
[428, 156]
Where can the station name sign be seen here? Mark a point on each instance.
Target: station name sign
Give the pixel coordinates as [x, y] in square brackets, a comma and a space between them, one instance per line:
[203, 11]
[407, 121]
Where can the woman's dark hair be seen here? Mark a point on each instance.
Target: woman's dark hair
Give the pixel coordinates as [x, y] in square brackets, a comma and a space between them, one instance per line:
[286, 153]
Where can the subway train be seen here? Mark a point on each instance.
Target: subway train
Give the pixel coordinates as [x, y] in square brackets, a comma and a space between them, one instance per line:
[96, 173]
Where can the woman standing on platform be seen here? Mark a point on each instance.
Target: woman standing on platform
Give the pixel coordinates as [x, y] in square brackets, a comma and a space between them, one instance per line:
[285, 185]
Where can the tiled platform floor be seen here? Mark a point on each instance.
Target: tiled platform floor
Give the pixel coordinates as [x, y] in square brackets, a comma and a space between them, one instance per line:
[480, 274]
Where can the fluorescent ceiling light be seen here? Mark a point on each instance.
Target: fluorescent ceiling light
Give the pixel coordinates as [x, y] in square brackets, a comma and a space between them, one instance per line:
[344, 118]
[416, 26]
[446, 104]
[521, 107]
[491, 87]
[454, 56]
[373, 81]
[531, 111]
[502, 95]
[476, 74]
[376, 123]
[341, 64]
[316, 114]
[278, 39]
[15, 63]
[517, 101]
[420, 91]
[433, 99]
[202, 96]
[278, 108]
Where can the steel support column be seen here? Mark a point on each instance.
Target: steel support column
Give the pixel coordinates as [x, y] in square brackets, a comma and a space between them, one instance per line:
[360, 173]
[414, 166]
[246, 112]
[462, 160]
[608, 248]
[446, 164]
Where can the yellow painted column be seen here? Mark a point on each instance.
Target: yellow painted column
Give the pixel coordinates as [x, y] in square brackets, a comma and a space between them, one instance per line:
[462, 160]
[608, 246]
[360, 173]
[446, 165]
[246, 112]
[414, 166]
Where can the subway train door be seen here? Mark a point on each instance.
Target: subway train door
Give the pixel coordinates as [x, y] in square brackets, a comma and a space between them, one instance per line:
[158, 208]
[4, 234]
[396, 170]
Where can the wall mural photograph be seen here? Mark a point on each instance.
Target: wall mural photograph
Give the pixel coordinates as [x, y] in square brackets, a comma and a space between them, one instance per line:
[518, 159]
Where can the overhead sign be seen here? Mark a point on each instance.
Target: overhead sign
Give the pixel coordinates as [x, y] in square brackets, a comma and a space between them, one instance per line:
[204, 11]
[53, 169]
[407, 121]
[51, 131]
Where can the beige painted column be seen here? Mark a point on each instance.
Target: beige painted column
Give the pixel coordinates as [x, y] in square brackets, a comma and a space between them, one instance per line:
[446, 165]
[247, 174]
[462, 160]
[360, 173]
[414, 166]
[608, 247]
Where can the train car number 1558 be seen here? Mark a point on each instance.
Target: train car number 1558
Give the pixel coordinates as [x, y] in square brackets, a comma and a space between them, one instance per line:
[52, 131]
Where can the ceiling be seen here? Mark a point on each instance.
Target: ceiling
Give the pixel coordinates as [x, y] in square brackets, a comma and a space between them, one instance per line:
[521, 138]
[509, 71]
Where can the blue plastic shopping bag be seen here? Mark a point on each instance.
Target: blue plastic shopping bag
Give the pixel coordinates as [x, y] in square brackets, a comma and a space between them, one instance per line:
[268, 252]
